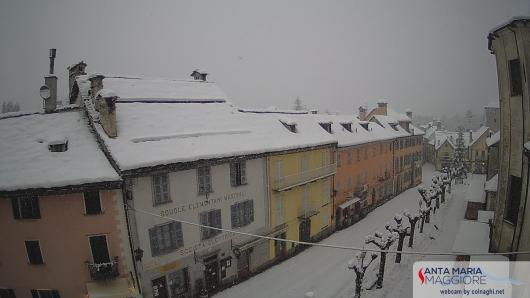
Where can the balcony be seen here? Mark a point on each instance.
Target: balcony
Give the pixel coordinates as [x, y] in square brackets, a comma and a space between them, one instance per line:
[288, 182]
[104, 271]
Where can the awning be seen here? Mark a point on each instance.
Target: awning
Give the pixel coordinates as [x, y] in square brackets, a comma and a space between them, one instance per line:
[118, 288]
[485, 216]
[349, 202]
[491, 185]
[472, 237]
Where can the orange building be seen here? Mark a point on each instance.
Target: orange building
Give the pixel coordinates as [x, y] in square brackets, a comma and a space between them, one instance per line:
[407, 145]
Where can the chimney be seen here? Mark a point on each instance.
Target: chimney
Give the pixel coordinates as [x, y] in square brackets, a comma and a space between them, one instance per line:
[198, 75]
[74, 71]
[106, 106]
[314, 111]
[96, 84]
[438, 124]
[50, 103]
[53, 53]
[382, 107]
[362, 113]
[409, 114]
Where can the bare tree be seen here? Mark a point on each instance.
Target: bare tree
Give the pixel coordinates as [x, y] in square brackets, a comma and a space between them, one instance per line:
[401, 231]
[359, 266]
[383, 243]
[413, 218]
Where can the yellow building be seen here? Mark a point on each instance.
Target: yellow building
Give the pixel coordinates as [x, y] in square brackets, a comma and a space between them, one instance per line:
[300, 196]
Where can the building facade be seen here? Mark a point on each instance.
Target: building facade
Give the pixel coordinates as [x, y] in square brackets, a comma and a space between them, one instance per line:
[61, 207]
[509, 44]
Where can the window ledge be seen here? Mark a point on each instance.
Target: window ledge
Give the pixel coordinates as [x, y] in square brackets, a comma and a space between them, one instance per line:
[94, 214]
[162, 203]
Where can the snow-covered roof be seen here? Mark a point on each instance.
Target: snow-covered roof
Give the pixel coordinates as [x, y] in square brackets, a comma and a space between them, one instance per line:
[471, 237]
[441, 136]
[491, 185]
[493, 104]
[163, 90]
[151, 134]
[494, 139]
[272, 110]
[26, 161]
[485, 216]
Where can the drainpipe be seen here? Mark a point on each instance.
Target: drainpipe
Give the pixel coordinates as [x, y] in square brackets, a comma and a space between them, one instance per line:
[124, 198]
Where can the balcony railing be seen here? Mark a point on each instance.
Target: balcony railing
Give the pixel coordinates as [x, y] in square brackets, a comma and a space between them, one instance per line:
[104, 271]
[288, 182]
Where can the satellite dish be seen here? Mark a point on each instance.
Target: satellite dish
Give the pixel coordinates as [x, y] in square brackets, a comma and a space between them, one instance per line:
[44, 92]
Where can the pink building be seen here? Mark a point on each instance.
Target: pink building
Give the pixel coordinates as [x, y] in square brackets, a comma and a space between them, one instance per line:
[61, 211]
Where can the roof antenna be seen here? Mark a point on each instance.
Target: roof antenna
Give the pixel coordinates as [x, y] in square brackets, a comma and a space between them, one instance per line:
[53, 52]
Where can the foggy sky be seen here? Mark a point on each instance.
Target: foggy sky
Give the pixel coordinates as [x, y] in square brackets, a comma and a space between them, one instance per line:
[427, 55]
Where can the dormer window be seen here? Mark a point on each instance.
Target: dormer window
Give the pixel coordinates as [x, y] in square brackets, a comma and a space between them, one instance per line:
[394, 126]
[364, 124]
[58, 145]
[326, 126]
[347, 126]
[290, 125]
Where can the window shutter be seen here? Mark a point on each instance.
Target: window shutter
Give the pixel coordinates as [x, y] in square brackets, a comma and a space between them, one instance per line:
[243, 167]
[217, 217]
[155, 247]
[234, 215]
[251, 210]
[180, 237]
[233, 175]
[36, 208]
[208, 179]
[16, 209]
[203, 217]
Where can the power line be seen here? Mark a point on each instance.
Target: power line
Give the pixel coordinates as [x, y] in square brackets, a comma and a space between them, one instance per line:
[343, 247]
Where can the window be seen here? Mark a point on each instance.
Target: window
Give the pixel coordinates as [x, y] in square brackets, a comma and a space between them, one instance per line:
[238, 173]
[279, 170]
[324, 192]
[279, 209]
[160, 185]
[26, 207]
[7, 293]
[325, 216]
[99, 249]
[350, 184]
[60, 146]
[242, 213]
[165, 238]
[358, 154]
[381, 148]
[34, 252]
[326, 126]
[291, 126]
[513, 199]
[45, 294]
[347, 126]
[365, 153]
[178, 283]
[92, 202]
[337, 185]
[204, 180]
[349, 157]
[516, 86]
[210, 218]
[304, 163]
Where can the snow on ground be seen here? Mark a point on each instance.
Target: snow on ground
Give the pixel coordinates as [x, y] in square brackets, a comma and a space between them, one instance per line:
[324, 272]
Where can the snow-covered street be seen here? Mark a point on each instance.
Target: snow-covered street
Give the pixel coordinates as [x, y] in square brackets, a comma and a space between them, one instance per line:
[324, 271]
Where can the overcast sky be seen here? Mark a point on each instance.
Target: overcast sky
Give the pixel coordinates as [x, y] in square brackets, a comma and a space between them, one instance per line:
[427, 55]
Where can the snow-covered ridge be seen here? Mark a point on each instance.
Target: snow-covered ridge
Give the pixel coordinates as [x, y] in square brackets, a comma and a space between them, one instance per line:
[188, 135]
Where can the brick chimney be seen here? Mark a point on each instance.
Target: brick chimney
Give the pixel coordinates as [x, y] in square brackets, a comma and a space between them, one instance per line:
[382, 107]
[74, 71]
[105, 103]
[362, 113]
[96, 84]
[50, 104]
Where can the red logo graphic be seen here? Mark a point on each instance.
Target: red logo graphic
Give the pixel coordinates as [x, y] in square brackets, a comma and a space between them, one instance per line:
[420, 274]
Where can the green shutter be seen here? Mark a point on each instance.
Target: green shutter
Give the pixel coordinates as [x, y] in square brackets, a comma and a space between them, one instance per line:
[155, 247]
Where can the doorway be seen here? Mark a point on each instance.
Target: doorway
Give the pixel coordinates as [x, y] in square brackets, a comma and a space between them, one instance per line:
[159, 287]
[99, 249]
[211, 274]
